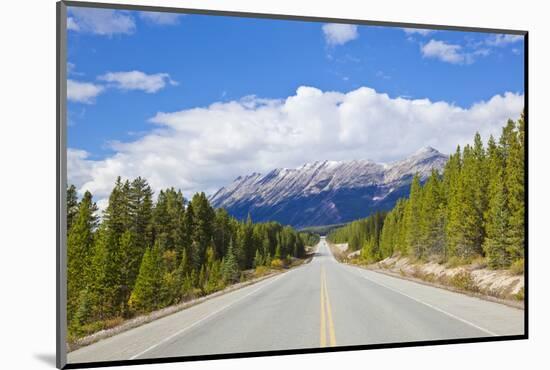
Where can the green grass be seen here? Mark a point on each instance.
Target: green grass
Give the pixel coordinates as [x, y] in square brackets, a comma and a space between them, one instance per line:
[76, 333]
[462, 261]
[464, 281]
[520, 296]
[517, 267]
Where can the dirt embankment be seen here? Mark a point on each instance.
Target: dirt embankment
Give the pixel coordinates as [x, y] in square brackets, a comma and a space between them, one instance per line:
[474, 279]
[342, 252]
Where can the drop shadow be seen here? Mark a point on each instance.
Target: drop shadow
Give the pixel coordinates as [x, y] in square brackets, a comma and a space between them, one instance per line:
[46, 358]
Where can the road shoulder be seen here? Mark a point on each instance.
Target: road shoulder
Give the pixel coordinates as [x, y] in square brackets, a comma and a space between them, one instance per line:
[338, 253]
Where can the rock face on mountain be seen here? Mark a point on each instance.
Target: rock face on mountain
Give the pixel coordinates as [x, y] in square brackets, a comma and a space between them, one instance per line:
[323, 193]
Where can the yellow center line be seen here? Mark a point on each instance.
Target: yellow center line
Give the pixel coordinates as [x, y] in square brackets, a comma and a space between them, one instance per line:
[326, 317]
[323, 324]
[329, 314]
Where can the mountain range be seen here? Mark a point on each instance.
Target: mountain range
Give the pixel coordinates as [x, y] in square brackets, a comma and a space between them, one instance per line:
[325, 192]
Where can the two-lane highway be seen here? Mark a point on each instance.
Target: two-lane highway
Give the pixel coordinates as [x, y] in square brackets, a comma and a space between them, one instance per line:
[323, 303]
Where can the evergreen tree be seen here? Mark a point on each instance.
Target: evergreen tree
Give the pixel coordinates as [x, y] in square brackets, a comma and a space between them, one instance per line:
[129, 257]
[400, 239]
[472, 194]
[168, 216]
[230, 268]
[454, 200]
[266, 248]
[117, 219]
[214, 279]
[79, 251]
[222, 231]
[514, 178]
[145, 296]
[386, 242]
[258, 259]
[141, 205]
[202, 227]
[184, 266]
[432, 218]
[278, 252]
[170, 288]
[72, 205]
[100, 284]
[188, 227]
[478, 184]
[82, 314]
[412, 216]
[497, 244]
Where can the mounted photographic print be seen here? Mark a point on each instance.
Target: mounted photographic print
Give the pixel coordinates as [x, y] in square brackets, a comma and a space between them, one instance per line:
[234, 184]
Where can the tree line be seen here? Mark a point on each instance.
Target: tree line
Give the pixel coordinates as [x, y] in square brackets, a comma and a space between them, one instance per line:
[362, 234]
[474, 208]
[142, 255]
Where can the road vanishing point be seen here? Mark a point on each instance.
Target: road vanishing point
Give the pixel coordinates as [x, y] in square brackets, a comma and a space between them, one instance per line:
[320, 304]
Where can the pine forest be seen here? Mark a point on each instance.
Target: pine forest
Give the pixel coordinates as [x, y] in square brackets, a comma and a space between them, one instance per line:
[474, 209]
[142, 255]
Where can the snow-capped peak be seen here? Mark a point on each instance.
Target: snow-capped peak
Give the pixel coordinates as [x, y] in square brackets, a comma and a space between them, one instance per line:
[326, 182]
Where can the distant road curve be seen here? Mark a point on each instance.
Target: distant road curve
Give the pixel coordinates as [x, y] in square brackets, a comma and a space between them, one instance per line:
[323, 303]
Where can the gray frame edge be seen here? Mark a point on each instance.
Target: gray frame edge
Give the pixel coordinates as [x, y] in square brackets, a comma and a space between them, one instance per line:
[320, 19]
[61, 188]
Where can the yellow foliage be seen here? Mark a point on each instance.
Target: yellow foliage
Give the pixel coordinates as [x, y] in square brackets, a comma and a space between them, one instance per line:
[277, 263]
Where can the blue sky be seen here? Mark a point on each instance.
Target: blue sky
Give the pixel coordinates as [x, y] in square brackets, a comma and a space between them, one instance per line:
[126, 67]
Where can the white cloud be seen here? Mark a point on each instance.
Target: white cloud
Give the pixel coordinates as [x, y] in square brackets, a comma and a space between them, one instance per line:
[503, 40]
[72, 25]
[86, 92]
[339, 34]
[419, 31]
[449, 53]
[452, 53]
[105, 22]
[137, 80]
[204, 148]
[78, 166]
[83, 92]
[161, 18]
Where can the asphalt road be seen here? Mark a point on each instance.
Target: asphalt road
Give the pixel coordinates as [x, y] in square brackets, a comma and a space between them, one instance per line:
[323, 303]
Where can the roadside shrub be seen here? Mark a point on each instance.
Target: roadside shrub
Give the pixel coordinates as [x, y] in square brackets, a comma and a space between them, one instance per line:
[517, 267]
[260, 271]
[89, 328]
[111, 323]
[520, 296]
[417, 272]
[430, 277]
[196, 292]
[479, 262]
[456, 261]
[463, 280]
[277, 263]
[438, 258]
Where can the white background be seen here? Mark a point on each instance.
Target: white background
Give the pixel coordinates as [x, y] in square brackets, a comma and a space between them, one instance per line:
[27, 185]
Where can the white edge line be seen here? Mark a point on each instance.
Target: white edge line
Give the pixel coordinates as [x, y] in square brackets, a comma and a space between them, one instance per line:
[432, 306]
[205, 318]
